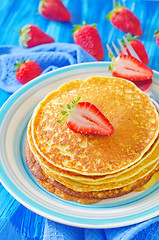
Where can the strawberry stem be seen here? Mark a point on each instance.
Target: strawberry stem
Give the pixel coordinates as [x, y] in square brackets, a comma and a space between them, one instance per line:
[67, 110]
[156, 33]
[78, 27]
[112, 57]
[84, 23]
[130, 37]
[17, 64]
[116, 8]
[114, 3]
[41, 4]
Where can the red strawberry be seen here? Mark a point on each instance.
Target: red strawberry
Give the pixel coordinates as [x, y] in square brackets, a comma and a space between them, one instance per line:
[32, 35]
[157, 37]
[85, 118]
[144, 85]
[138, 47]
[54, 10]
[128, 67]
[27, 70]
[88, 38]
[123, 19]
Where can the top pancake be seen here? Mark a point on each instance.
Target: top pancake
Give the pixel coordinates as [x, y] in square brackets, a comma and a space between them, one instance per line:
[131, 112]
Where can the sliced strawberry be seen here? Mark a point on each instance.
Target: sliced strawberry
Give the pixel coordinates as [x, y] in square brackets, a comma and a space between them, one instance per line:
[128, 67]
[85, 118]
[144, 85]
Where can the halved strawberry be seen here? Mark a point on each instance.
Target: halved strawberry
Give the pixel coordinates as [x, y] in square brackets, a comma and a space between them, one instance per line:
[128, 67]
[86, 118]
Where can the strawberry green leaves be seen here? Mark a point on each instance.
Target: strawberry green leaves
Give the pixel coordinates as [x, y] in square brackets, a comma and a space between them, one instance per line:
[67, 110]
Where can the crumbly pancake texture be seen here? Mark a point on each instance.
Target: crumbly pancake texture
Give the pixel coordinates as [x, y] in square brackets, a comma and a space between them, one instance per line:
[131, 112]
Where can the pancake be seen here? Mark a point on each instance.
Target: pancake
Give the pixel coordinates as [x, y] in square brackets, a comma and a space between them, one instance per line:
[149, 158]
[83, 187]
[49, 185]
[131, 112]
[150, 183]
[113, 193]
[89, 168]
[82, 197]
[124, 178]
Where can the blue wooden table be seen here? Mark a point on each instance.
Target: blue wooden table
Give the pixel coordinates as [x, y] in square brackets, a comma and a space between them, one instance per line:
[16, 221]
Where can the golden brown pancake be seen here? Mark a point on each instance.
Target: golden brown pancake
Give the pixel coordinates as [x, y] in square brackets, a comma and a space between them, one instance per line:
[151, 157]
[49, 185]
[150, 183]
[83, 197]
[89, 168]
[130, 111]
[82, 187]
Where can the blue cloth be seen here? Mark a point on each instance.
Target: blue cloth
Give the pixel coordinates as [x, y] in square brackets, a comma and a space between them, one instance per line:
[16, 221]
[49, 57]
[148, 230]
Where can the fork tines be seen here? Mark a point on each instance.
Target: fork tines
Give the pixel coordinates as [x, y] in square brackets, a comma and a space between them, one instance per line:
[117, 50]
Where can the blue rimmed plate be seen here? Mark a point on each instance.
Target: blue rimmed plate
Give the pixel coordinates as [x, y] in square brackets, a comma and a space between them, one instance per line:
[17, 179]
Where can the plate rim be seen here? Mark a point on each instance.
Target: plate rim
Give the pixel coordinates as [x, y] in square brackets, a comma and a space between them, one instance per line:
[6, 107]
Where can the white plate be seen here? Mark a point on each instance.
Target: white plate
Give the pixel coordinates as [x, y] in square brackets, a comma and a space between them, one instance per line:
[17, 179]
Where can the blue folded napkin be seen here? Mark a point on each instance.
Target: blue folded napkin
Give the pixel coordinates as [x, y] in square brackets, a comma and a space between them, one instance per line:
[49, 56]
[148, 230]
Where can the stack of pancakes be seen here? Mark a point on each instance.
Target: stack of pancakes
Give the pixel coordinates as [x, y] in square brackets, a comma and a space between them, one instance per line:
[89, 168]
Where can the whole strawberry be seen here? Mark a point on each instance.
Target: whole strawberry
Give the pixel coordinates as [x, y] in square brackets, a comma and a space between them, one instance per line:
[54, 10]
[27, 70]
[123, 19]
[88, 38]
[138, 47]
[157, 37]
[32, 35]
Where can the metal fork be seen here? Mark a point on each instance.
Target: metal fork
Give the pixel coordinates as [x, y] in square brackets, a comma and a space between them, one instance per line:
[134, 54]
